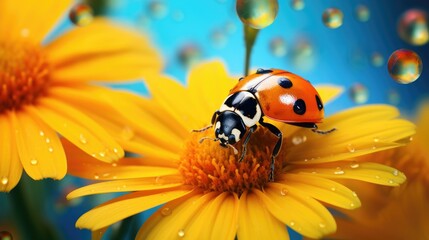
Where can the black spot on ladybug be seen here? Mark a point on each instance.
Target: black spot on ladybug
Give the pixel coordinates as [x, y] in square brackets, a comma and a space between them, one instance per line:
[284, 82]
[319, 103]
[262, 71]
[299, 107]
[248, 107]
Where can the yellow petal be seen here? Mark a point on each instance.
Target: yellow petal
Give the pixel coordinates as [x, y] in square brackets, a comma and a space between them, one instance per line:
[171, 220]
[102, 51]
[322, 189]
[210, 83]
[125, 206]
[360, 131]
[39, 147]
[10, 166]
[216, 220]
[83, 165]
[256, 222]
[31, 19]
[363, 171]
[79, 129]
[128, 185]
[329, 92]
[98, 234]
[296, 209]
[121, 116]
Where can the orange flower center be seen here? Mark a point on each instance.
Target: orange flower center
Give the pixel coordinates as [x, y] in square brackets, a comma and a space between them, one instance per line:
[24, 74]
[211, 167]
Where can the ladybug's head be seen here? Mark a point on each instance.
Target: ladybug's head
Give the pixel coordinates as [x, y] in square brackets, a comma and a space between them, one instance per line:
[229, 128]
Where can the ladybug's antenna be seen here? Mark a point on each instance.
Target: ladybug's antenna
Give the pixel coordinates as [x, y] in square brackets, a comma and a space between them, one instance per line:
[202, 129]
[217, 139]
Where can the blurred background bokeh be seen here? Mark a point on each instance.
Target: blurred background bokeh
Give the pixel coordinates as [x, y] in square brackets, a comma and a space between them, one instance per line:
[354, 55]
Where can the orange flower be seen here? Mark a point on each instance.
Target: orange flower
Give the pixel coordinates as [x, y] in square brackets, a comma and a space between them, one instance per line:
[45, 89]
[207, 193]
[394, 213]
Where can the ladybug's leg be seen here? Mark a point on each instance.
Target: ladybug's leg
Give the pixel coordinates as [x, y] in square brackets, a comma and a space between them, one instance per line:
[209, 126]
[244, 146]
[316, 130]
[277, 147]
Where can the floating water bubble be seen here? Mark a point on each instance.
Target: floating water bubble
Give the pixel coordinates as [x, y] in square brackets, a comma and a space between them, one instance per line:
[413, 27]
[332, 18]
[297, 5]
[189, 54]
[257, 14]
[157, 9]
[362, 13]
[218, 38]
[404, 66]
[393, 97]
[303, 54]
[230, 27]
[81, 14]
[358, 93]
[178, 16]
[377, 60]
[278, 47]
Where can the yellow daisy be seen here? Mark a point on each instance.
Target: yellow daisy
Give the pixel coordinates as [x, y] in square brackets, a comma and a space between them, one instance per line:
[394, 213]
[207, 194]
[45, 87]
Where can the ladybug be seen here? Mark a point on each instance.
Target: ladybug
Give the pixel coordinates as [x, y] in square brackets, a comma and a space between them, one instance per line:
[273, 93]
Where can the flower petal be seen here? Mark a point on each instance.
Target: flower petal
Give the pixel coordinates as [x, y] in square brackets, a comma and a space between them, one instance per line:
[79, 129]
[39, 147]
[329, 92]
[122, 54]
[10, 166]
[211, 83]
[216, 220]
[256, 222]
[296, 209]
[363, 171]
[127, 185]
[360, 131]
[171, 219]
[83, 165]
[31, 19]
[322, 189]
[125, 206]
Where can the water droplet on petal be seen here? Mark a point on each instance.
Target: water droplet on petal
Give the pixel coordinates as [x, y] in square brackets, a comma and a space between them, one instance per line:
[114, 164]
[102, 154]
[390, 181]
[50, 149]
[413, 27]
[395, 172]
[181, 233]
[4, 180]
[81, 15]
[404, 66]
[377, 177]
[257, 14]
[34, 161]
[322, 225]
[127, 133]
[354, 194]
[115, 150]
[296, 140]
[165, 211]
[338, 171]
[332, 18]
[284, 192]
[292, 223]
[351, 148]
[352, 205]
[83, 139]
[333, 189]
[96, 176]
[354, 165]
[42, 133]
[47, 140]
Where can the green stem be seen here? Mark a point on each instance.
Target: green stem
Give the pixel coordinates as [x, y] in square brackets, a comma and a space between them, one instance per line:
[250, 35]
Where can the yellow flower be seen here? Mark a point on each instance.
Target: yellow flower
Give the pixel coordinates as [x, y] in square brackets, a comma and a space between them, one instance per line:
[45, 89]
[394, 213]
[208, 194]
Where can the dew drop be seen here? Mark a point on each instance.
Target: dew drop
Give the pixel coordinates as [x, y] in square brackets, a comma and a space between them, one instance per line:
[404, 66]
[395, 172]
[284, 192]
[338, 171]
[377, 59]
[81, 15]
[332, 18]
[362, 13]
[4, 180]
[106, 174]
[354, 194]
[102, 154]
[333, 189]
[292, 223]
[377, 177]
[47, 140]
[166, 211]
[358, 93]
[114, 164]
[278, 47]
[83, 139]
[34, 161]
[322, 225]
[42, 133]
[127, 133]
[413, 27]
[352, 205]
[115, 150]
[351, 148]
[181, 233]
[257, 14]
[96, 176]
[296, 140]
[50, 149]
[354, 165]
[390, 181]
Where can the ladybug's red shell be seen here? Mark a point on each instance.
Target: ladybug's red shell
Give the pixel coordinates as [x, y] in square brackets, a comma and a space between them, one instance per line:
[283, 96]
